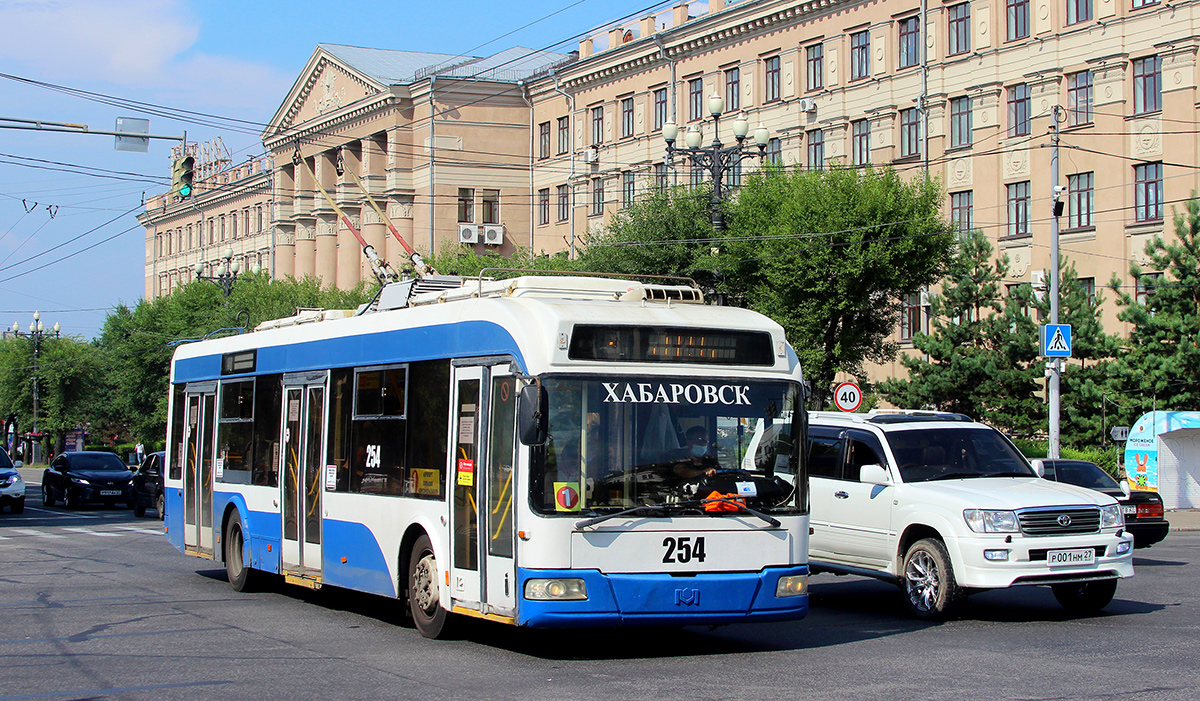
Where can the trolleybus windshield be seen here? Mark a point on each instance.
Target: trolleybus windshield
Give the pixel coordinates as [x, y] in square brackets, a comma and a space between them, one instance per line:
[620, 442]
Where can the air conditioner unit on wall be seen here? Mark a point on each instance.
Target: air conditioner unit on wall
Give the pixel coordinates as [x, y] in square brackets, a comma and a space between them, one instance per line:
[493, 235]
[1037, 279]
[468, 233]
[591, 155]
[807, 105]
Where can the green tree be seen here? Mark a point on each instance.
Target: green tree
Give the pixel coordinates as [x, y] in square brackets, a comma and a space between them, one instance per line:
[1086, 377]
[1162, 366]
[830, 255]
[982, 348]
[69, 372]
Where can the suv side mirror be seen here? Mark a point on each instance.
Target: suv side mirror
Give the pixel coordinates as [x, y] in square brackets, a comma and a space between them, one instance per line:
[874, 474]
[1039, 467]
[1125, 488]
[532, 412]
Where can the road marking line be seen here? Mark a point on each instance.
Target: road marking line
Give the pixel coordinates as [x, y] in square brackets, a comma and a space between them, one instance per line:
[140, 530]
[33, 532]
[58, 513]
[91, 532]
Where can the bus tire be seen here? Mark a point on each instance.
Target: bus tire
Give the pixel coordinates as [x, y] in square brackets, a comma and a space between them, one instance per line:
[424, 591]
[241, 576]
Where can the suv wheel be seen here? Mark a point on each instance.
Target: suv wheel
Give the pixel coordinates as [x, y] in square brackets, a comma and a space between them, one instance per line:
[928, 581]
[1085, 597]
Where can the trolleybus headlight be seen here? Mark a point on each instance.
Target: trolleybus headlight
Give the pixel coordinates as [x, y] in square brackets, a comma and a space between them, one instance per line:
[555, 590]
[1110, 516]
[792, 585]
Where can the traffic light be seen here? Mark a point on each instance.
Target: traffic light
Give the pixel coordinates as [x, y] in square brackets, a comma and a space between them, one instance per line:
[182, 173]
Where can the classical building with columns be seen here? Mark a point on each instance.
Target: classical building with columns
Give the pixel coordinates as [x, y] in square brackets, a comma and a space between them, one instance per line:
[545, 147]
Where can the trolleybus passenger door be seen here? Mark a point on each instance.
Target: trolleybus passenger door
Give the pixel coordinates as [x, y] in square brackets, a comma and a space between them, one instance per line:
[198, 471]
[483, 573]
[303, 455]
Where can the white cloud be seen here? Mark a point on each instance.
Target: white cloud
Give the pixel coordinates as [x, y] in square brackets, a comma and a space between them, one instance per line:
[137, 44]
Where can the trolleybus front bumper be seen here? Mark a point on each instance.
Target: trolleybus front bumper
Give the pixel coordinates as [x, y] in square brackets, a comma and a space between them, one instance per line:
[663, 599]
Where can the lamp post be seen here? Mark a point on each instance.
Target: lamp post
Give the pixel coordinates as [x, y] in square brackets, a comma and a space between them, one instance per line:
[37, 330]
[717, 158]
[227, 271]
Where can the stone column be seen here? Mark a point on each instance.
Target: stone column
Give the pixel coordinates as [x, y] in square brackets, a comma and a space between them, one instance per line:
[306, 250]
[373, 174]
[325, 239]
[401, 214]
[285, 251]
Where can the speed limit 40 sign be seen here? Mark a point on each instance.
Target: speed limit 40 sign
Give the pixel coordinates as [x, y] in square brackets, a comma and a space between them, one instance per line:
[847, 397]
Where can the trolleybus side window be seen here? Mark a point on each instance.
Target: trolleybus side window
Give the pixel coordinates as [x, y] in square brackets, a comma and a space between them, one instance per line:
[178, 455]
[235, 431]
[268, 412]
[377, 445]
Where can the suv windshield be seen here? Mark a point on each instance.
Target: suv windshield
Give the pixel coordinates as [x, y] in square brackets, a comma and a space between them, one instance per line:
[99, 462]
[929, 454]
[620, 442]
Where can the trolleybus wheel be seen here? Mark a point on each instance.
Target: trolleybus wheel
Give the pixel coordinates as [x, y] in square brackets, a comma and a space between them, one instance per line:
[241, 577]
[424, 590]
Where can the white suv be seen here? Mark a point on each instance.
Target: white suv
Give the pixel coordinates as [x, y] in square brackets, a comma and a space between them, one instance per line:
[943, 505]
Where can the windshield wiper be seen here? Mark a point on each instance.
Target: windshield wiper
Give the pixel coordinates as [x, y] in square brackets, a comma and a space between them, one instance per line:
[773, 521]
[957, 475]
[646, 510]
[1011, 473]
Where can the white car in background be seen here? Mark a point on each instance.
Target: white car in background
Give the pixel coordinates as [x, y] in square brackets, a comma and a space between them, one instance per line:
[944, 506]
[12, 487]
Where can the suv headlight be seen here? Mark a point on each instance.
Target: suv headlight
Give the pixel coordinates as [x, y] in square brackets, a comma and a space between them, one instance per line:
[986, 521]
[1111, 516]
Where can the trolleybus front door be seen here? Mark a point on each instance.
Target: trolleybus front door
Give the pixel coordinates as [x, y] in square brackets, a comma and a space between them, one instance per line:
[198, 473]
[303, 452]
[482, 570]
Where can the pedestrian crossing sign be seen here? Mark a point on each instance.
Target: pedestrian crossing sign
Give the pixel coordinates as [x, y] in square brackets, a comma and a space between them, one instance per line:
[1056, 340]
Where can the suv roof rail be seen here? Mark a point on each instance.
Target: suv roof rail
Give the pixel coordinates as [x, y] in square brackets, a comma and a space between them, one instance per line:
[893, 416]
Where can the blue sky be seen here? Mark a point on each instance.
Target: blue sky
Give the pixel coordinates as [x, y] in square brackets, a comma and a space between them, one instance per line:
[234, 59]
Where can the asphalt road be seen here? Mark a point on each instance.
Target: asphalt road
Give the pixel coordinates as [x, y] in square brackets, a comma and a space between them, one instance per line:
[95, 604]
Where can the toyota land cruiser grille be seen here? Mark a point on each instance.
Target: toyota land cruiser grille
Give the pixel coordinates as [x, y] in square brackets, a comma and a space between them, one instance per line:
[1061, 521]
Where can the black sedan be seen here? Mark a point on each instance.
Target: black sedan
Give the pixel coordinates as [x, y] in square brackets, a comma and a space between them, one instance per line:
[148, 485]
[81, 477]
[1144, 515]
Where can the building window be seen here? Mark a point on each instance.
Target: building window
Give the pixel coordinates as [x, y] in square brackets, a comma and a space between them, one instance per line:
[597, 125]
[564, 202]
[191, 242]
[1146, 282]
[774, 151]
[233, 229]
[1148, 192]
[597, 196]
[910, 133]
[1078, 11]
[1080, 200]
[910, 42]
[962, 210]
[696, 175]
[1018, 209]
[815, 63]
[210, 232]
[860, 142]
[564, 135]
[733, 89]
[258, 211]
[816, 149]
[544, 205]
[1079, 98]
[660, 108]
[1018, 110]
[491, 206]
[910, 316]
[1147, 85]
[960, 122]
[1088, 285]
[544, 140]
[627, 117]
[959, 25]
[222, 227]
[466, 205]
[860, 55]
[661, 180]
[733, 176]
[627, 189]
[771, 79]
[1144, 3]
[1017, 19]
[695, 99]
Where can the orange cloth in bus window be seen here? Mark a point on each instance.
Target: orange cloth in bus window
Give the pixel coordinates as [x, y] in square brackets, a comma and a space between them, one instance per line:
[718, 505]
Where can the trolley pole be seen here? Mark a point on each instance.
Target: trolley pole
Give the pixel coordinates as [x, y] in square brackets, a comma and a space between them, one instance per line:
[1054, 366]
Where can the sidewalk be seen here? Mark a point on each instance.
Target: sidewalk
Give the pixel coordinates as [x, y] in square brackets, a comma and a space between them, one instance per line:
[1184, 519]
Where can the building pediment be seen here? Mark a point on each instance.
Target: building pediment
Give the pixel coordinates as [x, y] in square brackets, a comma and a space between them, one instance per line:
[323, 88]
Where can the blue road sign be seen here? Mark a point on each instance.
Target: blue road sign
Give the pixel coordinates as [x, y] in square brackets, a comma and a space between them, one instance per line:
[1056, 340]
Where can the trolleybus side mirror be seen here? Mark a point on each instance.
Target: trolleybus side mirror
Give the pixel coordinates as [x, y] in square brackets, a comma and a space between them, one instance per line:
[532, 411]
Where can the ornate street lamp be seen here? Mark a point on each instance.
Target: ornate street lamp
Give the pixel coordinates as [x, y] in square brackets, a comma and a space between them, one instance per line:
[227, 272]
[37, 331]
[717, 159]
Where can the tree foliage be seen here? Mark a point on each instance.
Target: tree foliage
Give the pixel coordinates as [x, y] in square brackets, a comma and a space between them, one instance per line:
[69, 375]
[981, 349]
[1162, 365]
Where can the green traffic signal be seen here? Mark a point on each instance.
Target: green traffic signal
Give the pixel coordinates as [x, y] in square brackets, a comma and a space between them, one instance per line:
[182, 174]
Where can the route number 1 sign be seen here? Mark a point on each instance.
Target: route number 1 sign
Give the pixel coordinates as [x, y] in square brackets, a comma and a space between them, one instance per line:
[847, 397]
